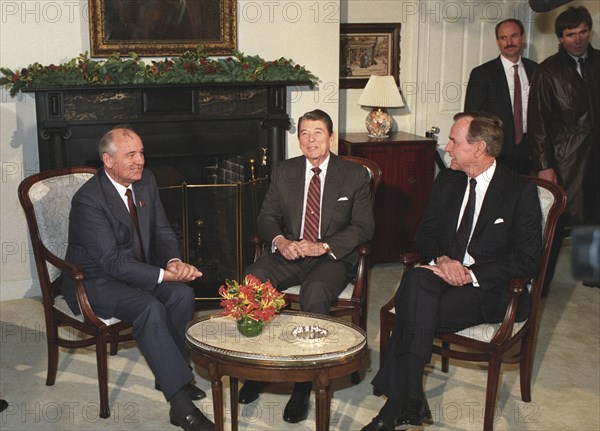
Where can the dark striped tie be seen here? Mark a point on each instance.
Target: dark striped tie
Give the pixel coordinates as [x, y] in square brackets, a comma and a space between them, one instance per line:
[581, 62]
[136, 222]
[313, 208]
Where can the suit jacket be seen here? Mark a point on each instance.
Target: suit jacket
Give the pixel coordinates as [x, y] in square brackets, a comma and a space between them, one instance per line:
[506, 241]
[488, 91]
[564, 129]
[104, 243]
[346, 209]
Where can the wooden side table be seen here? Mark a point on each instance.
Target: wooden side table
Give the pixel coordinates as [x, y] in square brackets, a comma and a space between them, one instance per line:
[276, 355]
[407, 162]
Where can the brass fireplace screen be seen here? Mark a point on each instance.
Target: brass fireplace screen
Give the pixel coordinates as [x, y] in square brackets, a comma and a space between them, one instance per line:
[213, 224]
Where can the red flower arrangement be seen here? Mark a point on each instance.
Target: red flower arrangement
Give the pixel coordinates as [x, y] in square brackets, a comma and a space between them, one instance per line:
[253, 300]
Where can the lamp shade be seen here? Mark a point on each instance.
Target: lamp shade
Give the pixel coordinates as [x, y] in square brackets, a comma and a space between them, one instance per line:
[381, 92]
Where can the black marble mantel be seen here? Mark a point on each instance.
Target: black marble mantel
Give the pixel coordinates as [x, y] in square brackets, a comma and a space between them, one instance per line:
[174, 121]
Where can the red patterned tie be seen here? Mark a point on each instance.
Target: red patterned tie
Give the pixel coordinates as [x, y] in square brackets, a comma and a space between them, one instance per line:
[134, 217]
[313, 208]
[518, 108]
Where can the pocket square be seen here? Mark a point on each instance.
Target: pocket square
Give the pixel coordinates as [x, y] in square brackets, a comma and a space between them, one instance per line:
[499, 220]
[343, 198]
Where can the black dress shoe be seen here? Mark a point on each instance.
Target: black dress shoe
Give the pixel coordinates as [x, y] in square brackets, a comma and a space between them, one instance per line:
[416, 412]
[195, 421]
[193, 391]
[377, 424]
[296, 409]
[3, 405]
[250, 391]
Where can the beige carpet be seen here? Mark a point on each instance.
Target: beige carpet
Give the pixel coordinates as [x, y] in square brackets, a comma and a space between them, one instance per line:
[566, 382]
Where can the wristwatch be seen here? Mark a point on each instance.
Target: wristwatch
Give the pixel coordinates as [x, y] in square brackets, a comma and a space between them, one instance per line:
[326, 247]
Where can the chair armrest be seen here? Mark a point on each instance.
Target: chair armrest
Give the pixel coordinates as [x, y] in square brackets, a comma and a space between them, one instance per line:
[362, 269]
[364, 249]
[259, 245]
[410, 259]
[516, 287]
[71, 270]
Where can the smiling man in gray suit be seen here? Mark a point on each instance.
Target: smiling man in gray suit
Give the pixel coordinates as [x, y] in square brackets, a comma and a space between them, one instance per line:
[313, 237]
[120, 236]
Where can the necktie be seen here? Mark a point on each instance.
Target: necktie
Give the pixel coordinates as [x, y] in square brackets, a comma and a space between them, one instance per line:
[313, 208]
[518, 108]
[461, 238]
[581, 60]
[134, 217]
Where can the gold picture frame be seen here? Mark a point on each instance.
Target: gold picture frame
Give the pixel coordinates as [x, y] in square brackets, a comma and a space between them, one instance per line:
[368, 49]
[154, 28]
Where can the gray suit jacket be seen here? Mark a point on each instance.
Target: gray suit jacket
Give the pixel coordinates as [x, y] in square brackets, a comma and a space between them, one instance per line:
[103, 241]
[346, 211]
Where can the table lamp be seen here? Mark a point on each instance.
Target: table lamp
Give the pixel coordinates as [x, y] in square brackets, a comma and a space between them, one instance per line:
[381, 92]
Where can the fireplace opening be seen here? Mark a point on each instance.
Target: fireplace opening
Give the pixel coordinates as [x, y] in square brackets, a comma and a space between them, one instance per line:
[212, 204]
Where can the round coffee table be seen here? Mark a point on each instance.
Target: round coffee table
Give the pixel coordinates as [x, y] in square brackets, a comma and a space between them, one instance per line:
[276, 355]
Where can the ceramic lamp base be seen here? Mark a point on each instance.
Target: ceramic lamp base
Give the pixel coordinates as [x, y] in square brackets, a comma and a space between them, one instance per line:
[378, 123]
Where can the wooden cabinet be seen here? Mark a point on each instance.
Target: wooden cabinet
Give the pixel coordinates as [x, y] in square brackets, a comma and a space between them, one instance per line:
[407, 163]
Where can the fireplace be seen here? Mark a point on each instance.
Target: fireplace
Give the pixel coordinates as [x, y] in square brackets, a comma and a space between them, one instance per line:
[211, 148]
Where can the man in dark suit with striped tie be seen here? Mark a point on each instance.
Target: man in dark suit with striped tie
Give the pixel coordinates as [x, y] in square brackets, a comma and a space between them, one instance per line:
[316, 212]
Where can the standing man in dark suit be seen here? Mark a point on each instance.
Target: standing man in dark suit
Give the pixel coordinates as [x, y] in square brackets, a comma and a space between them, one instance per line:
[313, 237]
[120, 236]
[482, 227]
[491, 89]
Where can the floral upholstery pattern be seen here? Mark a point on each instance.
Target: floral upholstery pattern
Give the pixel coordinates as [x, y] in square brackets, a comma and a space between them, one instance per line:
[51, 200]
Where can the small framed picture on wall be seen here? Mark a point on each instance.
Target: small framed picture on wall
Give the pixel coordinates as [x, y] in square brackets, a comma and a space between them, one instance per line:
[368, 49]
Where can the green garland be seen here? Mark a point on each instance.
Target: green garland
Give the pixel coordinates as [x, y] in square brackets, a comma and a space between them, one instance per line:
[189, 68]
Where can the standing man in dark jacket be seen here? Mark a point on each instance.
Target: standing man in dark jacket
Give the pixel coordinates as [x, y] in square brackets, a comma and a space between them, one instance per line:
[564, 117]
[491, 89]
[564, 123]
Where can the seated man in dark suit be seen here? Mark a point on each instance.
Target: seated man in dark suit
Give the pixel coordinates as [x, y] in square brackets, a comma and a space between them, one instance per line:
[481, 228]
[120, 236]
[316, 212]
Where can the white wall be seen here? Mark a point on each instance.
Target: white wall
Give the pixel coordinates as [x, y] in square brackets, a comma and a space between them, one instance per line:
[413, 14]
[47, 32]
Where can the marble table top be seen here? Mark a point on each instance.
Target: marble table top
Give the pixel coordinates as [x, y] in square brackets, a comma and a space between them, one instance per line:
[218, 335]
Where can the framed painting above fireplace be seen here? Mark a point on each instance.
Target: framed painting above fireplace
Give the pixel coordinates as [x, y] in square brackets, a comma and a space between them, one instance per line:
[154, 28]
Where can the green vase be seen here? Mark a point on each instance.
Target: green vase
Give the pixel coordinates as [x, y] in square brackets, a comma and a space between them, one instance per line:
[249, 327]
